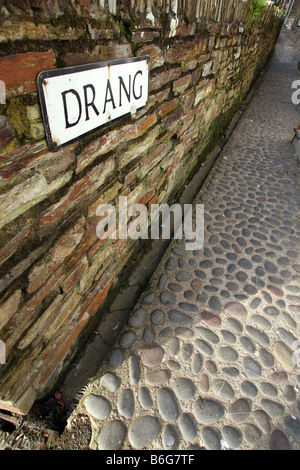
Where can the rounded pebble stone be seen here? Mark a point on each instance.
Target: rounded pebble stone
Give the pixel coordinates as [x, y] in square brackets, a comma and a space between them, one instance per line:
[187, 426]
[143, 431]
[210, 319]
[292, 424]
[261, 321]
[210, 439]
[167, 298]
[134, 369]
[182, 276]
[272, 408]
[149, 298]
[223, 389]
[156, 317]
[236, 309]
[137, 319]
[231, 371]
[266, 358]
[204, 383]
[227, 354]
[268, 389]
[170, 438]
[208, 412]
[167, 405]
[112, 436]
[153, 356]
[126, 403]
[232, 436]
[279, 441]
[184, 389]
[252, 434]
[186, 351]
[258, 336]
[179, 317]
[249, 389]
[262, 420]
[127, 339]
[157, 377]
[145, 398]
[174, 346]
[235, 325]
[247, 344]
[209, 335]
[110, 382]
[228, 337]
[116, 357]
[197, 363]
[204, 347]
[251, 368]
[98, 407]
[239, 410]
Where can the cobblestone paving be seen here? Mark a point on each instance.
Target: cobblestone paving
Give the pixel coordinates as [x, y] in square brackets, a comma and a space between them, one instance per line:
[208, 359]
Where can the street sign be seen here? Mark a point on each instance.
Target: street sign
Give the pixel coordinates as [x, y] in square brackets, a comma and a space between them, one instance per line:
[76, 101]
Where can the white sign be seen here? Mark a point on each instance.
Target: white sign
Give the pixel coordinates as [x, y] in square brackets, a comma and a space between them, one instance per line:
[76, 101]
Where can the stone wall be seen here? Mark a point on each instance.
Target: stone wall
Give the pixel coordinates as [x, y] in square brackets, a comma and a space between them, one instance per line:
[56, 276]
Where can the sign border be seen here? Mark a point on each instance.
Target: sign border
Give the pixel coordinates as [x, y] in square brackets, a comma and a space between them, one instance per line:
[79, 68]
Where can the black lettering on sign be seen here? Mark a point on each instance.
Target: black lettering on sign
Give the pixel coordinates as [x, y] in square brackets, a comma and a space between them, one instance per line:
[139, 72]
[74, 92]
[127, 90]
[111, 99]
[91, 103]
